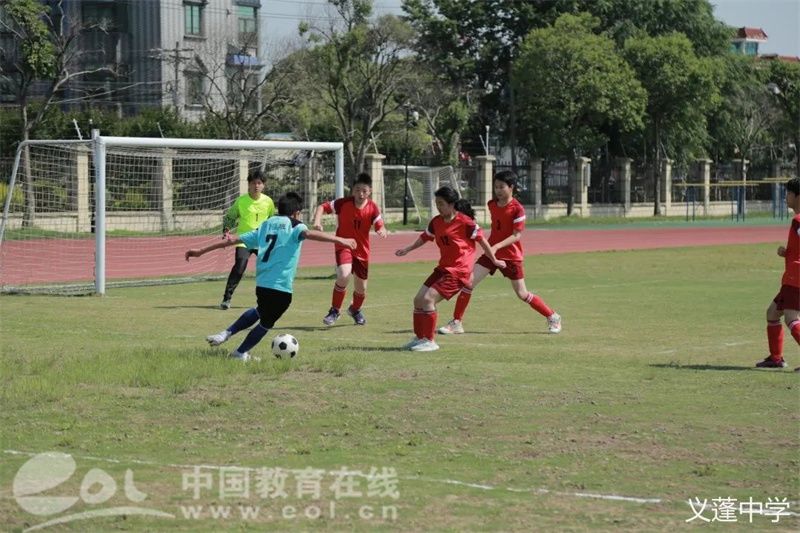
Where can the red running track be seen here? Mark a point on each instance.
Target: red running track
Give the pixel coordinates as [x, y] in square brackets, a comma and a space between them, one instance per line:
[48, 261]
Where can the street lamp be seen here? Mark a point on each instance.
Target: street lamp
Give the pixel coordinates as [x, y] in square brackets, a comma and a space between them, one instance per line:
[411, 113]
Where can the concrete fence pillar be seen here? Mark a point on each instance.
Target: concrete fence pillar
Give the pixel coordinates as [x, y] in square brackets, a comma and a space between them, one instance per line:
[704, 170]
[624, 166]
[580, 184]
[165, 188]
[666, 185]
[485, 181]
[84, 222]
[373, 165]
[243, 170]
[310, 177]
[535, 185]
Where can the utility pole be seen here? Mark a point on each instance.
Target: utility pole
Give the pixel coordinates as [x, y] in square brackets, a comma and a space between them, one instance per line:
[177, 58]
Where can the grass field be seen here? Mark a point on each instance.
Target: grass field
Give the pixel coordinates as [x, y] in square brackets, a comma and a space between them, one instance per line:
[648, 394]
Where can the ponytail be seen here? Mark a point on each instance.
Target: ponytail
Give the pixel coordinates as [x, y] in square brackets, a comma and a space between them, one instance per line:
[463, 206]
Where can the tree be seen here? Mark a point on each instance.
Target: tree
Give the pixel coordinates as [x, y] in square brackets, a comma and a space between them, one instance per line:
[572, 84]
[743, 122]
[360, 66]
[48, 53]
[680, 91]
[474, 43]
[786, 79]
[237, 99]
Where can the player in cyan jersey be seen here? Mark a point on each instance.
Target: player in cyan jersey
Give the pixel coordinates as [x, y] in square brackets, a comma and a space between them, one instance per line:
[278, 242]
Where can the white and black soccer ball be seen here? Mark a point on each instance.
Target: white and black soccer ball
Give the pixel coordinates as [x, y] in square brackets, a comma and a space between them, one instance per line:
[285, 346]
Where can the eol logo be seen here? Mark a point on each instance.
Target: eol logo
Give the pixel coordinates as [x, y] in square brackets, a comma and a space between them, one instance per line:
[36, 479]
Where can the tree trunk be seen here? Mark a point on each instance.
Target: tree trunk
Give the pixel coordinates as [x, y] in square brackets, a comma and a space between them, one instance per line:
[453, 149]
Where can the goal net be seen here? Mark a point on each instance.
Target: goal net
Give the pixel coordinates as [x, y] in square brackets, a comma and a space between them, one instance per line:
[78, 215]
[422, 183]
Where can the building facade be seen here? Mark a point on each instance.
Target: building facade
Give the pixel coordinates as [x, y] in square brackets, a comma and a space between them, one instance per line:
[186, 54]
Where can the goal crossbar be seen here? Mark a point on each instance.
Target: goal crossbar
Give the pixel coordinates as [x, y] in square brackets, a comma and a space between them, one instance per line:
[100, 147]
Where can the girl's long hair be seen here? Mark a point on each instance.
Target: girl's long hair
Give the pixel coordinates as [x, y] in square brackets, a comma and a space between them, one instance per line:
[449, 195]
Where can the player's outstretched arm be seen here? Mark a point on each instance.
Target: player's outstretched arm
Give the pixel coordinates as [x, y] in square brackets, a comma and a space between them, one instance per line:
[490, 253]
[508, 241]
[403, 251]
[314, 235]
[215, 246]
[317, 223]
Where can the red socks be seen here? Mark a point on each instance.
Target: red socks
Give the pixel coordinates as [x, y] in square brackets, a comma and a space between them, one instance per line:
[358, 300]
[461, 303]
[538, 305]
[794, 327]
[775, 340]
[775, 337]
[338, 296]
[425, 323]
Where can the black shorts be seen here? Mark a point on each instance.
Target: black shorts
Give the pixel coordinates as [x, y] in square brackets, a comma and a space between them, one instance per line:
[271, 305]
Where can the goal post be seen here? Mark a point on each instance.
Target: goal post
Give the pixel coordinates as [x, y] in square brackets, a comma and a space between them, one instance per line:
[80, 215]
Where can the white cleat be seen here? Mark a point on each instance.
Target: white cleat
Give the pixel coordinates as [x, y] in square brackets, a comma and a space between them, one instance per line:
[554, 323]
[454, 327]
[425, 346]
[412, 343]
[219, 338]
[242, 356]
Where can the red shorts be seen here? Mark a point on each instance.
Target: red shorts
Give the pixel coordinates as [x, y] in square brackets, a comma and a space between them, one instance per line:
[345, 257]
[513, 269]
[787, 298]
[445, 283]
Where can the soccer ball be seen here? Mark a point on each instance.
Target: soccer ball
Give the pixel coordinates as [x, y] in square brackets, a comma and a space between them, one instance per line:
[285, 346]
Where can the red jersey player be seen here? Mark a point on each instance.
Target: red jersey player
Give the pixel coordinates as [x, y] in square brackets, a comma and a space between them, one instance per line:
[357, 214]
[508, 221]
[787, 301]
[455, 232]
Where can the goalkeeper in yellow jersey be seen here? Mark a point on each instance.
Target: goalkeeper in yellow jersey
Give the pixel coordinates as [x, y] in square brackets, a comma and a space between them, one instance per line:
[249, 210]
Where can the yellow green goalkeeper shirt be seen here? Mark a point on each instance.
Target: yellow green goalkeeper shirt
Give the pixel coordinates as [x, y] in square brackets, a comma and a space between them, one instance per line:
[250, 213]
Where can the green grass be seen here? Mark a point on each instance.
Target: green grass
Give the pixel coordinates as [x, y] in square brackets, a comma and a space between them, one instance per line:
[649, 392]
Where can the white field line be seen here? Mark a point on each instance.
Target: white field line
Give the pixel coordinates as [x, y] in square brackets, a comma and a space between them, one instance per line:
[479, 486]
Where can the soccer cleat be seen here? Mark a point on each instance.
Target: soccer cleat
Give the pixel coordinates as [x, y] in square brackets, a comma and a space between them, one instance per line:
[452, 327]
[242, 356]
[219, 338]
[357, 316]
[425, 345]
[225, 305]
[331, 317]
[412, 343]
[554, 323]
[769, 362]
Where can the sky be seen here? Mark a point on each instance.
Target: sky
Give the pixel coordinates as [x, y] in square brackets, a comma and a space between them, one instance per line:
[780, 19]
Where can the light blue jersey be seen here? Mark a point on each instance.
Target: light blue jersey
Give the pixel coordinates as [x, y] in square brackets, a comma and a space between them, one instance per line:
[278, 240]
